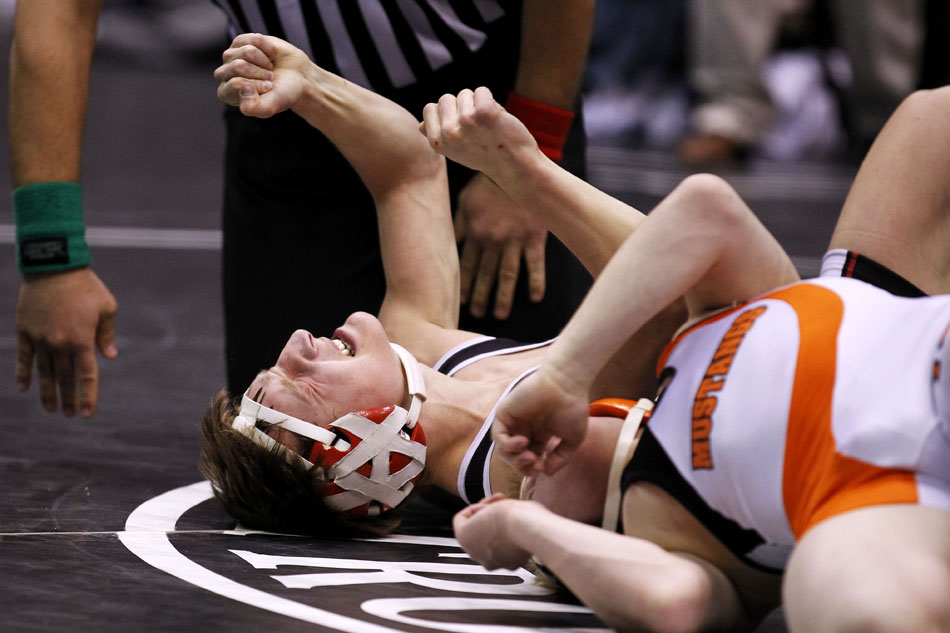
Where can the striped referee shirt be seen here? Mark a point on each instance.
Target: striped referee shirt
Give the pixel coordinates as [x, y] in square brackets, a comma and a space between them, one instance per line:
[378, 44]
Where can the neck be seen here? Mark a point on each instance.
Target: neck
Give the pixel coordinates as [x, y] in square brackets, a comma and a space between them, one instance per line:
[451, 416]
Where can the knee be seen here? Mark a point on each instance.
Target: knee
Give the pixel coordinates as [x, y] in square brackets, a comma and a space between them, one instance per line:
[930, 105]
[708, 197]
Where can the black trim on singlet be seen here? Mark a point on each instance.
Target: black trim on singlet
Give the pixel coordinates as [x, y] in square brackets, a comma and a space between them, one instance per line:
[651, 464]
[475, 473]
[473, 479]
[482, 347]
[863, 268]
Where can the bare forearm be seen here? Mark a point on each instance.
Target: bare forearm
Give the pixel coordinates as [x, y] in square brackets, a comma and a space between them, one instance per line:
[380, 139]
[631, 583]
[592, 224]
[656, 265]
[554, 42]
[49, 82]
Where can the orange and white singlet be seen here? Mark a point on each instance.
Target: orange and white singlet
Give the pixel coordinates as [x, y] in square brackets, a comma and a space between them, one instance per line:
[818, 398]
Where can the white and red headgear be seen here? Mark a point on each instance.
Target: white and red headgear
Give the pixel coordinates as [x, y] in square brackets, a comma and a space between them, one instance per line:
[373, 458]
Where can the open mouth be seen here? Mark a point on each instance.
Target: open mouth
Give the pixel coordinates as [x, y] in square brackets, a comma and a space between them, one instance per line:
[345, 348]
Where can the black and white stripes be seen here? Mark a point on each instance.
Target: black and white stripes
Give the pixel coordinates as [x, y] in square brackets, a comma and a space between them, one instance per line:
[378, 44]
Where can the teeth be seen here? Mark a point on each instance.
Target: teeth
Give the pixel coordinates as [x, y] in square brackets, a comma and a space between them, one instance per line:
[343, 347]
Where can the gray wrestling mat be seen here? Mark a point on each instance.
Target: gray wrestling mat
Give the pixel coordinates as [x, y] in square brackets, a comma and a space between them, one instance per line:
[105, 524]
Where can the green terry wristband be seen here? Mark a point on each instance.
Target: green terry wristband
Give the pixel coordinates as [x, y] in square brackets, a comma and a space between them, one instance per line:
[50, 232]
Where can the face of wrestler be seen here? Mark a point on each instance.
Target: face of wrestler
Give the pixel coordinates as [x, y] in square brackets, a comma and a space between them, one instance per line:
[321, 379]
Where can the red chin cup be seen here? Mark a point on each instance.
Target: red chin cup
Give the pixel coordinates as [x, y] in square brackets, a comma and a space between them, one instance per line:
[327, 456]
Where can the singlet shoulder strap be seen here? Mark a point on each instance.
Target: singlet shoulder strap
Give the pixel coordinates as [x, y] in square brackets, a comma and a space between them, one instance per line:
[476, 349]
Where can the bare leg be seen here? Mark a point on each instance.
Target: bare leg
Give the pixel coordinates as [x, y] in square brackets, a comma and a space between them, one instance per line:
[898, 210]
[884, 568]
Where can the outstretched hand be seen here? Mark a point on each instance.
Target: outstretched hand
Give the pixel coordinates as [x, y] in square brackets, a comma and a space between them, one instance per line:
[61, 320]
[540, 424]
[262, 75]
[476, 131]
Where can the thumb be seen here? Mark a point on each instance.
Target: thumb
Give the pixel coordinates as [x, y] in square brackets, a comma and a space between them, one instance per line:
[105, 336]
[250, 100]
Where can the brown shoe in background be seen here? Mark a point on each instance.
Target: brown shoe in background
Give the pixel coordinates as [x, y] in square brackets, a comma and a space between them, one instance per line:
[710, 150]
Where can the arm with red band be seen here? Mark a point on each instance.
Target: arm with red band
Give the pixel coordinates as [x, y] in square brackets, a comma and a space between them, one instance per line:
[548, 125]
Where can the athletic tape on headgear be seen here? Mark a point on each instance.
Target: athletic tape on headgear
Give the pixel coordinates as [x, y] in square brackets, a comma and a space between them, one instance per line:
[358, 450]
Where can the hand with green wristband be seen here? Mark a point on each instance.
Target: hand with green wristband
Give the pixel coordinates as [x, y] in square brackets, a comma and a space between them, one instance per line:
[64, 312]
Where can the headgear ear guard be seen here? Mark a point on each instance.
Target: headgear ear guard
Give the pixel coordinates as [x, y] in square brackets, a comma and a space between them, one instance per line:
[372, 458]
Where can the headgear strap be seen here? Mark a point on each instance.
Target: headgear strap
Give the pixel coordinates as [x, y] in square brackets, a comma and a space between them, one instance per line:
[635, 414]
[374, 439]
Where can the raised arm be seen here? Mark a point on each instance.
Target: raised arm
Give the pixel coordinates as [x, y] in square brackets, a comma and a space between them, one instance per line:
[63, 312]
[265, 75]
[497, 233]
[473, 129]
[476, 131]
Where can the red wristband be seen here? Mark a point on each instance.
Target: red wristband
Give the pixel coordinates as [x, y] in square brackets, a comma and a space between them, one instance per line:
[548, 125]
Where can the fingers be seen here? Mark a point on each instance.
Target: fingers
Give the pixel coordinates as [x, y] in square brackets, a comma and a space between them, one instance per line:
[246, 71]
[66, 379]
[249, 53]
[441, 122]
[555, 460]
[448, 114]
[236, 91]
[431, 126]
[253, 100]
[471, 510]
[516, 451]
[57, 371]
[24, 362]
[240, 67]
[465, 105]
[508, 272]
[105, 335]
[468, 264]
[484, 281]
[88, 371]
[534, 263]
[47, 380]
[268, 45]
